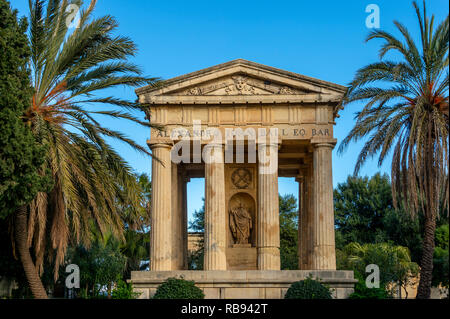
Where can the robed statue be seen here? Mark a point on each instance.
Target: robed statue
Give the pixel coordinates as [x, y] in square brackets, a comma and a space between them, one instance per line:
[241, 224]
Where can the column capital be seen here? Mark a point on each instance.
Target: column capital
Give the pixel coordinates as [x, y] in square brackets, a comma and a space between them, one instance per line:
[318, 142]
[160, 143]
[269, 144]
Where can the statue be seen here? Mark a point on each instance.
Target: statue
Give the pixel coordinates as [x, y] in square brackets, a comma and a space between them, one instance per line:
[241, 224]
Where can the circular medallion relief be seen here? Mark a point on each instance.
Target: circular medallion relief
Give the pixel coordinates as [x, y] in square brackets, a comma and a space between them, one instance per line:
[241, 178]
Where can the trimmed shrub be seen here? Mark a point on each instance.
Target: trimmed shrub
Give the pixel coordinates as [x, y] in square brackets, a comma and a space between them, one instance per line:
[308, 289]
[174, 288]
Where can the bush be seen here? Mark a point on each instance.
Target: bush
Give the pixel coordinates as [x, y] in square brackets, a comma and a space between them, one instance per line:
[362, 292]
[124, 291]
[308, 289]
[174, 288]
[440, 267]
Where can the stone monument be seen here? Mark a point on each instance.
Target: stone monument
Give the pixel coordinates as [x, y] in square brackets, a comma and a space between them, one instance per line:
[241, 125]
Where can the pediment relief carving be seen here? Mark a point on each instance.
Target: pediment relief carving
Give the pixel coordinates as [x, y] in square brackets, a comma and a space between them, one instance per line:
[240, 85]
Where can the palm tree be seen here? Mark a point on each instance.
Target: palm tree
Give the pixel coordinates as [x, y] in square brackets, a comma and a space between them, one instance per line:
[137, 241]
[406, 112]
[71, 68]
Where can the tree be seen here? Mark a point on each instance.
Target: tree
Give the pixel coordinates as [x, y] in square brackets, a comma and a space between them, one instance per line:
[441, 257]
[406, 112]
[364, 213]
[198, 222]
[360, 205]
[196, 258]
[393, 261]
[136, 243]
[101, 265]
[20, 154]
[71, 69]
[288, 232]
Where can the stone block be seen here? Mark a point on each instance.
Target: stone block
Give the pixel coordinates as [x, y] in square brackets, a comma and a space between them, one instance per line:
[144, 293]
[212, 293]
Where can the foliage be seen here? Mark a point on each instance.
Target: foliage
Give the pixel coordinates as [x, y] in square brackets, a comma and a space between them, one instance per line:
[71, 69]
[394, 262]
[288, 232]
[174, 288]
[135, 248]
[442, 236]
[308, 289]
[360, 206]
[101, 265]
[196, 258]
[124, 290]
[364, 213]
[363, 292]
[440, 269]
[136, 244]
[403, 230]
[10, 267]
[406, 114]
[20, 154]
[441, 257]
[198, 222]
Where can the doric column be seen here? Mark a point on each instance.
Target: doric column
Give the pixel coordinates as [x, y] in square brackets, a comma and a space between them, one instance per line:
[161, 212]
[268, 232]
[215, 215]
[324, 255]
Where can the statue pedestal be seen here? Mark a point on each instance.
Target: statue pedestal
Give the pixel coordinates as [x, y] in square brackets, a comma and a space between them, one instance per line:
[242, 257]
[242, 245]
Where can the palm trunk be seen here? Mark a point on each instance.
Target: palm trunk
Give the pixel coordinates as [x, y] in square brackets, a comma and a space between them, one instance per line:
[21, 238]
[426, 264]
[426, 267]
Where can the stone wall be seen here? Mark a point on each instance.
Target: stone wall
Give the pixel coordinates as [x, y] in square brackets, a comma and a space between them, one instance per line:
[244, 284]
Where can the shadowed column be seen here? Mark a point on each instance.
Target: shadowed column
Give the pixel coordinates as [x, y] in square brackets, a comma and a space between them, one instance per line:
[268, 220]
[301, 222]
[178, 219]
[309, 204]
[185, 181]
[215, 215]
[161, 212]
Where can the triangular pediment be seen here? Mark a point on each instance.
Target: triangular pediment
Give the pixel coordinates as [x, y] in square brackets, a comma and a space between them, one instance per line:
[241, 78]
[238, 84]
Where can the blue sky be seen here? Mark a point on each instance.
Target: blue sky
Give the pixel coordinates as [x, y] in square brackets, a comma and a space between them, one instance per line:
[321, 39]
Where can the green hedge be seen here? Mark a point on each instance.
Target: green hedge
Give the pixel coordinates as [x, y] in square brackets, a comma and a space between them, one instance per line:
[308, 289]
[174, 288]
